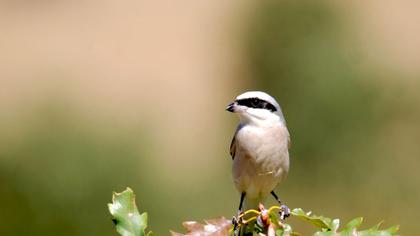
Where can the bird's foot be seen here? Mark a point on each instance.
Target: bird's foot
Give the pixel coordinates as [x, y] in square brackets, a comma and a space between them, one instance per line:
[284, 213]
[236, 220]
[235, 223]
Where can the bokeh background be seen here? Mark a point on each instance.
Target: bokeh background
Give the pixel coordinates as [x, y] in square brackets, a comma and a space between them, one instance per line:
[99, 95]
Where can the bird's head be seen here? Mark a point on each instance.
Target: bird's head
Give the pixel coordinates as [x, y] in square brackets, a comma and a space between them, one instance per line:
[256, 107]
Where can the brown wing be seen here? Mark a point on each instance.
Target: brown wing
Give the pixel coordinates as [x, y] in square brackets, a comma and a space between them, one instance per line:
[233, 147]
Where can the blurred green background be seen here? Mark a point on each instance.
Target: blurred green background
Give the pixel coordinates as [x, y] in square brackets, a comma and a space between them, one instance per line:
[100, 95]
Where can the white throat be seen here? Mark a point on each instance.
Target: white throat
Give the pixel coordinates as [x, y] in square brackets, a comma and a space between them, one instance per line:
[260, 118]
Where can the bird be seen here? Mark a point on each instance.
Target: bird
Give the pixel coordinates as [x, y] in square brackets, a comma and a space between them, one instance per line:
[259, 150]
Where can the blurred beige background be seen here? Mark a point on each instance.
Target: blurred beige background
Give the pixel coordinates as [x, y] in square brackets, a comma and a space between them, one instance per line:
[99, 95]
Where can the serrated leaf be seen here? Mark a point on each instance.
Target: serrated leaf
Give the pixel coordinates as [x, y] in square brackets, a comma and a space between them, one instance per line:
[353, 224]
[351, 229]
[318, 221]
[373, 232]
[128, 221]
[330, 227]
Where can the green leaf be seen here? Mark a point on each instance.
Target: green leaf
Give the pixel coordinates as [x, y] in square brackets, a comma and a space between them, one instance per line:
[128, 221]
[375, 232]
[354, 224]
[329, 227]
[318, 221]
[274, 218]
[393, 229]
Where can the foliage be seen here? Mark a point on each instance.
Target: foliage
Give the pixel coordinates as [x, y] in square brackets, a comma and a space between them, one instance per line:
[329, 227]
[129, 222]
[127, 219]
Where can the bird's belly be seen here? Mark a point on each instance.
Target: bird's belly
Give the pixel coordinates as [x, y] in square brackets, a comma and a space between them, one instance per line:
[258, 179]
[261, 161]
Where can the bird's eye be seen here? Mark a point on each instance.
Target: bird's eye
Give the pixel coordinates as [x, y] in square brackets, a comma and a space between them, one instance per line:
[255, 103]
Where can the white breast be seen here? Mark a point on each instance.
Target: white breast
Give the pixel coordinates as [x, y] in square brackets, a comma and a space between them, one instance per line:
[261, 161]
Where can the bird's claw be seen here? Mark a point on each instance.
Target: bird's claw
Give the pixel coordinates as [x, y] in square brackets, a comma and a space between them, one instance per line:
[236, 220]
[285, 212]
[235, 223]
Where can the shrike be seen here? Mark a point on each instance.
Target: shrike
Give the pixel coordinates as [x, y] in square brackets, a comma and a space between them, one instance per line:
[259, 149]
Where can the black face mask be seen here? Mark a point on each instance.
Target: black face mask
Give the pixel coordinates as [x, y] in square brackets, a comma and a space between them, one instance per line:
[256, 103]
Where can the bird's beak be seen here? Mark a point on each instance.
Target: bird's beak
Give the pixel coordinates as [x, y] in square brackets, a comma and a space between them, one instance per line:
[231, 107]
